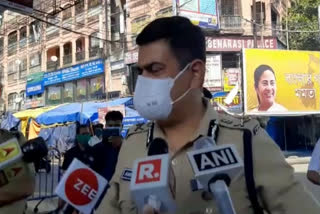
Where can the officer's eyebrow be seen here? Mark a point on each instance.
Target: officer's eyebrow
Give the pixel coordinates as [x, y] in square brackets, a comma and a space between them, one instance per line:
[149, 66]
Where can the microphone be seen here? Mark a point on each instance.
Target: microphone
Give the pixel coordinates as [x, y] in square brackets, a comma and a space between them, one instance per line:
[215, 167]
[153, 180]
[32, 151]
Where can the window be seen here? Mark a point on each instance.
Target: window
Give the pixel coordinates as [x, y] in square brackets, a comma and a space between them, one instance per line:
[52, 31]
[230, 7]
[12, 43]
[67, 13]
[34, 32]
[12, 72]
[96, 87]
[23, 69]
[79, 7]
[261, 13]
[54, 95]
[35, 62]
[11, 101]
[81, 89]
[1, 46]
[23, 37]
[23, 95]
[68, 92]
[35, 59]
[94, 3]
[94, 41]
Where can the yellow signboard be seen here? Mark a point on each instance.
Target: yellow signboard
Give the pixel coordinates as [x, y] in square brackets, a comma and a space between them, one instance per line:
[281, 82]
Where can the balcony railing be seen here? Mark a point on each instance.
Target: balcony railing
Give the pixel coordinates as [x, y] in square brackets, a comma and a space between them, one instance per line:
[230, 22]
[80, 56]
[12, 49]
[23, 43]
[95, 52]
[67, 59]
[51, 66]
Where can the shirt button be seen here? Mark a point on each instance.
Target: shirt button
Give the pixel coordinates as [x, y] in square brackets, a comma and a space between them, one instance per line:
[174, 162]
[209, 211]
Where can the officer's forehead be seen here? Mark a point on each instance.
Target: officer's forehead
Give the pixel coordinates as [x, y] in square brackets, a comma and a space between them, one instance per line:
[155, 52]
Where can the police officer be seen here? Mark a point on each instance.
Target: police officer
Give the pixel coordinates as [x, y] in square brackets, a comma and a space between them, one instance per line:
[172, 56]
[17, 181]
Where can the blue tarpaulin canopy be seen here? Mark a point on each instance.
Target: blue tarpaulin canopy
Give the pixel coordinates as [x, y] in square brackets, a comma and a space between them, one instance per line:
[87, 111]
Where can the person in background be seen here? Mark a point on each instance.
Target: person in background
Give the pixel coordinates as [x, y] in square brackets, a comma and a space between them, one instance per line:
[314, 165]
[82, 152]
[108, 150]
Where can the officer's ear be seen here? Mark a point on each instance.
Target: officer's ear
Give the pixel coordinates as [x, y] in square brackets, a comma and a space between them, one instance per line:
[198, 69]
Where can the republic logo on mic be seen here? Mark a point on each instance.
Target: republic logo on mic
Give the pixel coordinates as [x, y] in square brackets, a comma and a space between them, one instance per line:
[153, 176]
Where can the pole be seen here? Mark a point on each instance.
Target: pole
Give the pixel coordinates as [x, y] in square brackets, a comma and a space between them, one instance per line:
[287, 30]
[261, 25]
[175, 10]
[106, 52]
[319, 16]
[254, 13]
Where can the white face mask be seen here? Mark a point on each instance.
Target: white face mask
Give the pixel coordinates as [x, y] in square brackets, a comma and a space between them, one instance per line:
[152, 97]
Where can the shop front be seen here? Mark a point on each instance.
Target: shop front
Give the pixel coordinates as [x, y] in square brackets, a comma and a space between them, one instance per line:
[79, 83]
[34, 91]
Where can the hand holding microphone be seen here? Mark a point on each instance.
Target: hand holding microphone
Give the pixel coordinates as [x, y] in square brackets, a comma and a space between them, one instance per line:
[214, 168]
[153, 182]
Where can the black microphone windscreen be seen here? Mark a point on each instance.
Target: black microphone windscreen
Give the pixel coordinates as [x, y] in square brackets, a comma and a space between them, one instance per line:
[158, 147]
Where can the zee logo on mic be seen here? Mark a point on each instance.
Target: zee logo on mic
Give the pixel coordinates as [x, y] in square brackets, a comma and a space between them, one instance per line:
[215, 159]
[148, 171]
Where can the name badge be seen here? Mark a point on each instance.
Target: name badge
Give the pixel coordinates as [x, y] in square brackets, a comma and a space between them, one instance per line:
[126, 175]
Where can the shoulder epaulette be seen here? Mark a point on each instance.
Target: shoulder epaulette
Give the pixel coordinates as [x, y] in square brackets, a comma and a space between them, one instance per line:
[231, 122]
[138, 128]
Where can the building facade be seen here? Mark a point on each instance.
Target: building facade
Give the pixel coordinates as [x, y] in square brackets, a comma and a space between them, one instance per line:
[62, 54]
[233, 31]
[86, 50]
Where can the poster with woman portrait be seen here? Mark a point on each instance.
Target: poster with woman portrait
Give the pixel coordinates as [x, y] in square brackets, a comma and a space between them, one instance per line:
[281, 82]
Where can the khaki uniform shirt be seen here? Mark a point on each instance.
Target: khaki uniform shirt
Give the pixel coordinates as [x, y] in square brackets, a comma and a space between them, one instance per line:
[278, 190]
[20, 184]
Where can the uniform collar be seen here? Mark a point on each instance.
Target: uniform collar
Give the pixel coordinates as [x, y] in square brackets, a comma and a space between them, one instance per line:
[209, 115]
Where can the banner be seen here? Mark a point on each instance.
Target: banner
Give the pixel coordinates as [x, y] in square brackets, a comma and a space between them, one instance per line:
[231, 78]
[213, 77]
[102, 112]
[235, 106]
[35, 84]
[201, 12]
[75, 72]
[281, 82]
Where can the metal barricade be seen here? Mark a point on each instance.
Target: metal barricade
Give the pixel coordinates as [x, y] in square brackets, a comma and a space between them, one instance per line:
[48, 175]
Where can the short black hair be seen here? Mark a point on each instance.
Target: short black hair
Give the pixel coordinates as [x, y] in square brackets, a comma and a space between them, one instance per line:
[98, 125]
[186, 40]
[114, 116]
[258, 73]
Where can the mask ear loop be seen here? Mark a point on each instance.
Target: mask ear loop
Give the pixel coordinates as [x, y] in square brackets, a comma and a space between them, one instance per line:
[185, 93]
